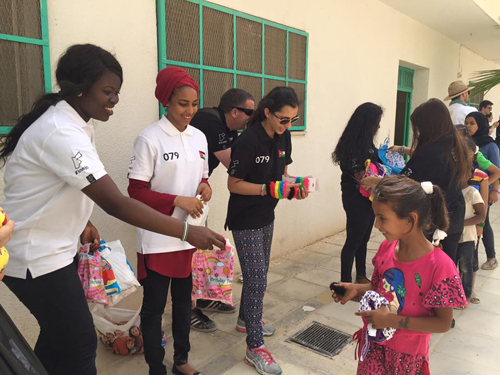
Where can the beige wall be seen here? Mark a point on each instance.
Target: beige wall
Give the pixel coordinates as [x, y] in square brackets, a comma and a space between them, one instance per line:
[355, 48]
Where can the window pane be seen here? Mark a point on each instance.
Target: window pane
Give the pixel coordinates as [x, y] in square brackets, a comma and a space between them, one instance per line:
[275, 51]
[253, 85]
[214, 85]
[300, 89]
[476, 97]
[21, 79]
[248, 45]
[218, 39]
[270, 84]
[20, 17]
[195, 73]
[182, 26]
[296, 56]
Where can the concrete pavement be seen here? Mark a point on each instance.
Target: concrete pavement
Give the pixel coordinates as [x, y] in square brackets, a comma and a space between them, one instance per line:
[301, 279]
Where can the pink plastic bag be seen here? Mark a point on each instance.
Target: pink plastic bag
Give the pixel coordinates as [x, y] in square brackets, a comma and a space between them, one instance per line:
[213, 274]
[90, 273]
[372, 168]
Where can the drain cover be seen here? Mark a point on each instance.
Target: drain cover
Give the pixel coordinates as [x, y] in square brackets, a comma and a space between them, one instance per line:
[322, 339]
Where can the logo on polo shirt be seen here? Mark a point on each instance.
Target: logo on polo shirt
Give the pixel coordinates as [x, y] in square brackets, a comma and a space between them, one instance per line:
[222, 138]
[78, 163]
[202, 155]
[76, 160]
[281, 154]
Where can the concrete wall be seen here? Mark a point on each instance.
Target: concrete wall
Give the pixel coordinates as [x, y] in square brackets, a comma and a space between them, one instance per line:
[355, 48]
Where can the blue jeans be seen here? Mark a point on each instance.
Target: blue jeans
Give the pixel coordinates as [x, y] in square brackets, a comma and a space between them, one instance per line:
[465, 265]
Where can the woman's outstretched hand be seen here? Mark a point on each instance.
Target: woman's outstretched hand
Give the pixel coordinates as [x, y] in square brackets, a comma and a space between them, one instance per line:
[204, 238]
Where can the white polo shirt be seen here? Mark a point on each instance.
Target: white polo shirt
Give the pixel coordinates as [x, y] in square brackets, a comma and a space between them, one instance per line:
[459, 112]
[173, 162]
[54, 159]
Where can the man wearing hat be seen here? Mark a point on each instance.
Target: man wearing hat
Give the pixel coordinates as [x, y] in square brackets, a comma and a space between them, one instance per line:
[458, 92]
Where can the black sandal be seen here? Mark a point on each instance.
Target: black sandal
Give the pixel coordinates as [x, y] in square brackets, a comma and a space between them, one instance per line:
[176, 371]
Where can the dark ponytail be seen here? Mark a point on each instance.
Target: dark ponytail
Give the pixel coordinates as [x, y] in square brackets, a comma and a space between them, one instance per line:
[439, 213]
[406, 196]
[77, 70]
[276, 99]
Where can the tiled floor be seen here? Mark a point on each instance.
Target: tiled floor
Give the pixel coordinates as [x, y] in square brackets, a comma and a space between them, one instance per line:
[301, 279]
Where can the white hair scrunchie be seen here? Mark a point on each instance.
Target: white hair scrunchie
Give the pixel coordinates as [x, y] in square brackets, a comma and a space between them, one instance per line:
[428, 187]
[438, 236]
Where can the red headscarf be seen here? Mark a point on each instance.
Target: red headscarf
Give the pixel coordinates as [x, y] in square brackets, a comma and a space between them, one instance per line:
[169, 79]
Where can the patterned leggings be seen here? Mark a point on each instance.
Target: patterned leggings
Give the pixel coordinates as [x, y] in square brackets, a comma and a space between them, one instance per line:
[254, 248]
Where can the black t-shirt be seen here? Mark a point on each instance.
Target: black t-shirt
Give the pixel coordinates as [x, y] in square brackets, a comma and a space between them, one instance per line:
[357, 164]
[256, 158]
[212, 122]
[428, 163]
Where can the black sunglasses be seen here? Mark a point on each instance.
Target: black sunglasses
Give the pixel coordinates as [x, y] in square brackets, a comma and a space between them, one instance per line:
[286, 120]
[246, 111]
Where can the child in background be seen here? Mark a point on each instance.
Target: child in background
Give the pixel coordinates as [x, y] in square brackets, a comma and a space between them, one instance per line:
[421, 278]
[475, 213]
[480, 182]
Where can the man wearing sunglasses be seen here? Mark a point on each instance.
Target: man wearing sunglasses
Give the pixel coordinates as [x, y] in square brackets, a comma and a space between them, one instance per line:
[220, 125]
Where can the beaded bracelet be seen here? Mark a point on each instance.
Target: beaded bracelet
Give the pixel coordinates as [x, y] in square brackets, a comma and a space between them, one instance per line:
[271, 189]
[277, 190]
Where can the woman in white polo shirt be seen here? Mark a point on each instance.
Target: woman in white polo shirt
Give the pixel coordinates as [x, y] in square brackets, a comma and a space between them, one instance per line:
[53, 176]
[168, 170]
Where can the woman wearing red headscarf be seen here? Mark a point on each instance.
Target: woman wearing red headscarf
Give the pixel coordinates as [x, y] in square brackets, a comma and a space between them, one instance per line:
[168, 170]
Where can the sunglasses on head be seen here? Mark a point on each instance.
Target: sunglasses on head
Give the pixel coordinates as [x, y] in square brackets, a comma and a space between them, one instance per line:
[246, 111]
[285, 120]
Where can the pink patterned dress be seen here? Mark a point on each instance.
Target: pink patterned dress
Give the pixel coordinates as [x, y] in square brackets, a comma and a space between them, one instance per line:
[413, 289]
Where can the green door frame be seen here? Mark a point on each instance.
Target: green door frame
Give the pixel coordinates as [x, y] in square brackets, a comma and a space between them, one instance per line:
[405, 84]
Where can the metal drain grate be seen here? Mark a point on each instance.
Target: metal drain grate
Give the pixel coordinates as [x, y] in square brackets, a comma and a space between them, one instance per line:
[322, 339]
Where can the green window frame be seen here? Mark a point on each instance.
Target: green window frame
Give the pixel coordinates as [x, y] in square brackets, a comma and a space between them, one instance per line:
[42, 42]
[208, 70]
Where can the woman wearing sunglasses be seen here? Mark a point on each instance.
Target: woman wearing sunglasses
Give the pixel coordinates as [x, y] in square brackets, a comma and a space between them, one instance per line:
[259, 159]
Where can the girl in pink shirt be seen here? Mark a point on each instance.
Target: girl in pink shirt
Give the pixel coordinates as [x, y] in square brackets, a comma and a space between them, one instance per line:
[418, 279]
